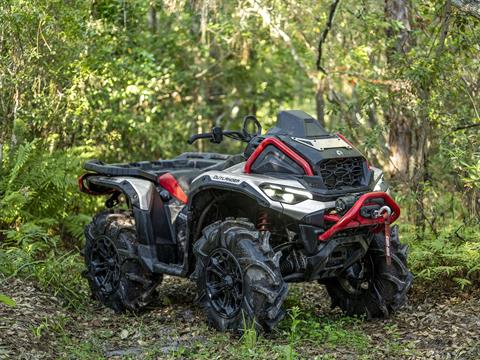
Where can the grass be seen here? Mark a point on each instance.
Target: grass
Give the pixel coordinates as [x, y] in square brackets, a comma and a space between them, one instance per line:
[55, 272]
[298, 336]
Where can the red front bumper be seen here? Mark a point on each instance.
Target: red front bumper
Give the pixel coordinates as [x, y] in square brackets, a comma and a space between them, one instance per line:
[353, 219]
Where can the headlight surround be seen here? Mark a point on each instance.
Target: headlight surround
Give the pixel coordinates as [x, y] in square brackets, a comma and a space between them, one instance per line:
[285, 194]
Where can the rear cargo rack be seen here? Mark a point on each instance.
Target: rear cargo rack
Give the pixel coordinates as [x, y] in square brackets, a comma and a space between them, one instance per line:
[151, 170]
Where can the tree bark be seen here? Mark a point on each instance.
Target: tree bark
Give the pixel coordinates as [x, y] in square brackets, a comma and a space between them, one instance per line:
[471, 7]
[397, 118]
[320, 101]
[152, 19]
[422, 132]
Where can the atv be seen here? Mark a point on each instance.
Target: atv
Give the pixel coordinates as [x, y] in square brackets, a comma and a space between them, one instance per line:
[300, 204]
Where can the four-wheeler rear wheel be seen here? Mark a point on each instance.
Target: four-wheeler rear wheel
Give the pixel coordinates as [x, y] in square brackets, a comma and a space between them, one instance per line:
[116, 277]
[370, 287]
[238, 277]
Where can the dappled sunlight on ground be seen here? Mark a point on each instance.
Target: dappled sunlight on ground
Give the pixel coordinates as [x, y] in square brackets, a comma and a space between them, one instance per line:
[174, 327]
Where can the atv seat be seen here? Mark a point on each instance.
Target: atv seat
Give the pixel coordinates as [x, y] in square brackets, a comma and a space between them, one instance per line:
[185, 168]
[185, 177]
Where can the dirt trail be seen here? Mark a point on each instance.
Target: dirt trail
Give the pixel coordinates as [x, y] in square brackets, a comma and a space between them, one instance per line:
[443, 327]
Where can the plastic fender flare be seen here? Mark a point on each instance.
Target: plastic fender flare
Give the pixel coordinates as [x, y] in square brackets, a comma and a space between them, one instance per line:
[205, 183]
[139, 191]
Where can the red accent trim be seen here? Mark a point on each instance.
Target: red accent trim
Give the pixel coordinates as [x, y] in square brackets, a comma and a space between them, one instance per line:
[85, 189]
[352, 218]
[169, 183]
[283, 148]
[344, 139]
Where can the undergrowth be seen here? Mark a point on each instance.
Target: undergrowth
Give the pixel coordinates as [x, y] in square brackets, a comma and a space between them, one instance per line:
[450, 254]
[42, 216]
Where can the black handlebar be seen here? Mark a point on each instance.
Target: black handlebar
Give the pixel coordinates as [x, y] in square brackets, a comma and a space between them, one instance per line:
[217, 134]
[196, 137]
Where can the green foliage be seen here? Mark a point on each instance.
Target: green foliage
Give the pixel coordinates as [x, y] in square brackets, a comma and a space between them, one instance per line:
[41, 219]
[54, 271]
[4, 299]
[293, 335]
[249, 340]
[40, 195]
[451, 254]
[131, 80]
[304, 327]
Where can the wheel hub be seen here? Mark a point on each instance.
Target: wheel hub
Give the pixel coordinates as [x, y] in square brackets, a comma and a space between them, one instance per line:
[356, 278]
[224, 283]
[104, 264]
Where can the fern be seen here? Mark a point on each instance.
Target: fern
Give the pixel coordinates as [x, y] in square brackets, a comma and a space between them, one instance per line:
[40, 210]
[75, 224]
[40, 188]
[22, 156]
[454, 254]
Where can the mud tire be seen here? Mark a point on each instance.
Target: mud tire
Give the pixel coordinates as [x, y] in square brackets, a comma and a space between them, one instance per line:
[261, 290]
[132, 287]
[387, 285]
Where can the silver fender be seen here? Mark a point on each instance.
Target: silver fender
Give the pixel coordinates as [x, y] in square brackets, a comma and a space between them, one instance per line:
[140, 192]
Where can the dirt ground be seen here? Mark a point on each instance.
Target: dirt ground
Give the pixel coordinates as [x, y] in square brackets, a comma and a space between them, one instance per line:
[431, 326]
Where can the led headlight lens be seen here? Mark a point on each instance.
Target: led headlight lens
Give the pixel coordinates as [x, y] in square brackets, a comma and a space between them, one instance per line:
[285, 194]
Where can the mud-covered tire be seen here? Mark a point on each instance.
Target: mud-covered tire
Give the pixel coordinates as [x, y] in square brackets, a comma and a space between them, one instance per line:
[112, 236]
[387, 285]
[260, 286]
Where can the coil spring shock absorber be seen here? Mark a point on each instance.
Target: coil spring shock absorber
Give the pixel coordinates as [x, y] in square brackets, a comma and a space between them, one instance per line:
[263, 222]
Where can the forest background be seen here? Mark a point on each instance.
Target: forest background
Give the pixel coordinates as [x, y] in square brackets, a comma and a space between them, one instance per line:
[125, 80]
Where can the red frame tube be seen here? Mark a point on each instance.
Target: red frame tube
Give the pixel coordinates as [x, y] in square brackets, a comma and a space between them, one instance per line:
[283, 148]
[353, 219]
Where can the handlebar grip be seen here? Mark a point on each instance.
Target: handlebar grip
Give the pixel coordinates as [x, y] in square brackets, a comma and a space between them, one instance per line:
[196, 137]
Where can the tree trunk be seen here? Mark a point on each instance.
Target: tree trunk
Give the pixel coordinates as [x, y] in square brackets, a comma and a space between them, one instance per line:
[471, 7]
[397, 118]
[152, 19]
[320, 101]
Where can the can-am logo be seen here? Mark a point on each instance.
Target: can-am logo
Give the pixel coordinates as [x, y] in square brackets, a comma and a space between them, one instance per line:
[228, 179]
[339, 152]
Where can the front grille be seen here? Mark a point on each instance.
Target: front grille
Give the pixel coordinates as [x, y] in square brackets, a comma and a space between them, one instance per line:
[337, 173]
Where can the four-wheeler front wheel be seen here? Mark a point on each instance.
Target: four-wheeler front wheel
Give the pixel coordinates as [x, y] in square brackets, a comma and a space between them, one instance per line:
[370, 287]
[116, 277]
[238, 277]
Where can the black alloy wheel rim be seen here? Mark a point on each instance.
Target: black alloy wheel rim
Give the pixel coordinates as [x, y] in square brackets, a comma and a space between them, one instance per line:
[224, 283]
[104, 265]
[361, 279]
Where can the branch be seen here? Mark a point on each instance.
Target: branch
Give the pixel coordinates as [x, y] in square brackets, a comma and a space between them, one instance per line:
[471, 7]
[465, 127]
[275, 28]
[444, 28]
[323, 36]
[467, 90]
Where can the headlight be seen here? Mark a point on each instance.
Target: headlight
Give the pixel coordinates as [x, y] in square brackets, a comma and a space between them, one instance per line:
[285, 194]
